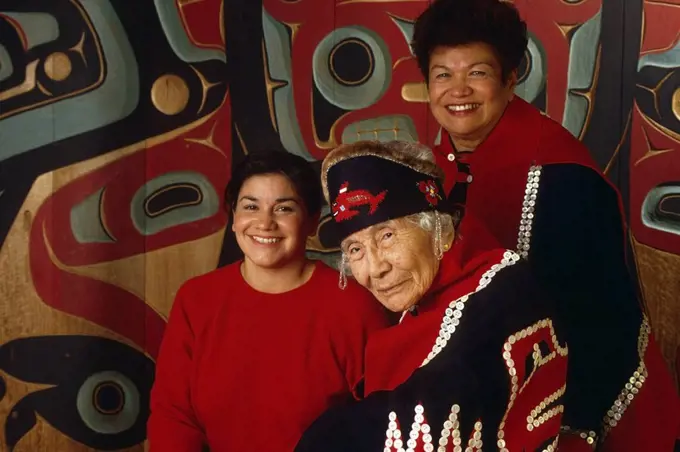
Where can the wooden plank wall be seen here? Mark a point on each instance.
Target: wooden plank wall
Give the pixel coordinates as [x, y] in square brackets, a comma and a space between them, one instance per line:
[120, 122]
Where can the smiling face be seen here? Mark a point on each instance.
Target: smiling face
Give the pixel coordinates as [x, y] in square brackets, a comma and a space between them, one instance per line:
[271, 223]
[395, 260]
[467, 93]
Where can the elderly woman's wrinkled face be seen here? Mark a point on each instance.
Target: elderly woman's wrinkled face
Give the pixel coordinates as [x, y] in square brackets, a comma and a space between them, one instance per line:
[467, 92]
[395, 260]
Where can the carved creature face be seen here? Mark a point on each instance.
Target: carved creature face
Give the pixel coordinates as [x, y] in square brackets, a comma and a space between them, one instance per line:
[353, 73]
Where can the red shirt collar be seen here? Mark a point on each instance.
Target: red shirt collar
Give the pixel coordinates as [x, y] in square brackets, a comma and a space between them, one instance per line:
[518, 115]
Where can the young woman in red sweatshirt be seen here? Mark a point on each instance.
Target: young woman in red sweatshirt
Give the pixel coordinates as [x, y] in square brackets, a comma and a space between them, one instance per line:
[256, 350]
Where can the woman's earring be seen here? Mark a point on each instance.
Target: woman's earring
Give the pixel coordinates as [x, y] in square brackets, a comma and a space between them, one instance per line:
[438, 248]
[342, 282]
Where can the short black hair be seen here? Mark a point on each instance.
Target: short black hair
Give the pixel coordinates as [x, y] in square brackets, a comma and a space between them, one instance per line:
[299, 172]
[452, 23]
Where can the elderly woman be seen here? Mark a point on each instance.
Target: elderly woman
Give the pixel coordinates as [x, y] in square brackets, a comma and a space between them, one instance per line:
[476, 357]
[518, 178]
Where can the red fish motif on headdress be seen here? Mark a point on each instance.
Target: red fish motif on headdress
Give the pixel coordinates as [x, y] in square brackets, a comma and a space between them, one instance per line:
[345, 201]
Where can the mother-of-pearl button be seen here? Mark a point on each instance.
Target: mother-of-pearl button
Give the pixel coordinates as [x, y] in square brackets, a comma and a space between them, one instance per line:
[451, 157]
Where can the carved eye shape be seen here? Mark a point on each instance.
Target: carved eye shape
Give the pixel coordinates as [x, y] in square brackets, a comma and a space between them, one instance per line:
[101, 389]
[171, 199]
[661, 208]
[531, 74]
[352, 67]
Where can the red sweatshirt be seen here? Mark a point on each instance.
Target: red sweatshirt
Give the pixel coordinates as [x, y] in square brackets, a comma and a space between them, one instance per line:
[243, 370]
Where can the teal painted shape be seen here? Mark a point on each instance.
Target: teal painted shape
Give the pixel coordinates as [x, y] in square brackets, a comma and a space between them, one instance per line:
[358, 96]
[534, 82]
[667, 60]
[649, 209]
[406, 28]
[6, 67]
[177, 35]
[39, 28]
[104, 423]
[279, 61]
[582, 60]
[86, 220]
[115, 99]
[209, 205]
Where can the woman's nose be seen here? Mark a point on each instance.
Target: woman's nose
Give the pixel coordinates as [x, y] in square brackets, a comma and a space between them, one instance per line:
[377, 264]
[265, 220]
[459, 86]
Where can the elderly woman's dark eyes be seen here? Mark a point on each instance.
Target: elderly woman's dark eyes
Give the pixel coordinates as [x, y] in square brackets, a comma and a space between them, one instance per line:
[387, 235]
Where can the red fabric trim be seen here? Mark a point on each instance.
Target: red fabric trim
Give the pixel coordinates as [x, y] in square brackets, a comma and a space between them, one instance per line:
[393, 354]
[520, 136]
[650, 422]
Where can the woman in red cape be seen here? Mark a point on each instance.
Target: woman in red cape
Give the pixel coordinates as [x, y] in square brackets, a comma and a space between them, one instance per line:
[519, 178]
[476, 360]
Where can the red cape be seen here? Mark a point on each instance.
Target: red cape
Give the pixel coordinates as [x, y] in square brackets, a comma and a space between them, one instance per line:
[524, 137]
